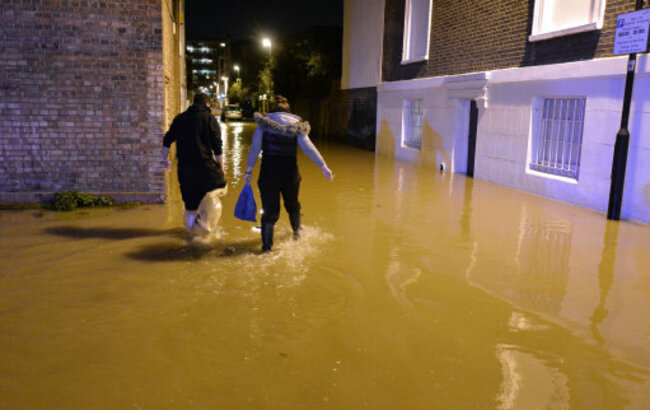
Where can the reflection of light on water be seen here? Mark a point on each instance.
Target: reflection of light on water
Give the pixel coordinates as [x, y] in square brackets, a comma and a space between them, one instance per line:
[519, 322]
[472, 262]
[233, 154]
[400, 194]
[237, 153]
[237, 129]
[398, 277]
[511, 382]
[523, 217]
[224, 133]
[528, 382]
[542, 254]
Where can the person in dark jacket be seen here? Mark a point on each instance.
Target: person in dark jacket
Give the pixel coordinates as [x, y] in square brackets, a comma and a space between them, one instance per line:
[198, 149]
[278, 135]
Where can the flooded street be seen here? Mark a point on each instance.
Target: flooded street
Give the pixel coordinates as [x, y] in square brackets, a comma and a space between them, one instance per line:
[410, 289]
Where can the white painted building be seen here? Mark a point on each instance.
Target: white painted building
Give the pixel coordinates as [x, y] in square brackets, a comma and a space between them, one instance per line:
[544, 128]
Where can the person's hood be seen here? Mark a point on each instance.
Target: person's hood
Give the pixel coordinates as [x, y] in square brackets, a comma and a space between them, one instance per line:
[283, 123]
[199, 107]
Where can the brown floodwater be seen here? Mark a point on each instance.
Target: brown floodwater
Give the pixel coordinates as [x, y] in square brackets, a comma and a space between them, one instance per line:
[410, 289]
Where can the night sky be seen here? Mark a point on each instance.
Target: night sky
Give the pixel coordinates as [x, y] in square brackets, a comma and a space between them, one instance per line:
[240, 19]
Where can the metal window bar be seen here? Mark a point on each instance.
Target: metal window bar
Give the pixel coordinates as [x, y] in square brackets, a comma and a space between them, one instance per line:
[567, 116]
[556, 148]
[413, 131]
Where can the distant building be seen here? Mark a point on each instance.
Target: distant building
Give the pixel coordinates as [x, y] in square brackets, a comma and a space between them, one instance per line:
[209, 67]
[522, 94]
[86, 93]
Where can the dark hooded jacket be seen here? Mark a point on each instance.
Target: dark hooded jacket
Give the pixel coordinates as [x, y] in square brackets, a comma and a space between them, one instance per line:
[198, 139]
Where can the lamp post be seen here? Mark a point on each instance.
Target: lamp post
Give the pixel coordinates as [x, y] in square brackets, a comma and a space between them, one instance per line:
[225, 85]
[266, 43]
[236, 68]
[621, 146]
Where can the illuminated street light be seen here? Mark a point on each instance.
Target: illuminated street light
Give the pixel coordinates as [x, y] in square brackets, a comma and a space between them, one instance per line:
[236, 68]
[266, 43]
[225, 83]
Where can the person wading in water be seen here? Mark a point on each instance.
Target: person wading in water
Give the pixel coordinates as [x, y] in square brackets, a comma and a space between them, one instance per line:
[278, 135]
[200, 170]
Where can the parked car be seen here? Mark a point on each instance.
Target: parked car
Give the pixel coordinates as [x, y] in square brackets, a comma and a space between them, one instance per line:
[231, 112]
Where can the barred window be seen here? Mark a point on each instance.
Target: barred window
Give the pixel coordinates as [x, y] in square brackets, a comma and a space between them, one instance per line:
[557, 142]
[413, 118]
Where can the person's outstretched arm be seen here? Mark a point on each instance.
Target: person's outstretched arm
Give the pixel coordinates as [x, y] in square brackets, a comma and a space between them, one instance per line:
[312, 152]
[256, 147]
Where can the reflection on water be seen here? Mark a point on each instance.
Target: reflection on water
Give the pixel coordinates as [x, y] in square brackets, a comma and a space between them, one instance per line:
[605, 278]
[529, 382]
[398, 277]
[236, 153]
[410, 288]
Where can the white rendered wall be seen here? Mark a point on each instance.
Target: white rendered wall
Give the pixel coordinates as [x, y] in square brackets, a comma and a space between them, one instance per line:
[436, 150]
[506, 121]
[363, 22]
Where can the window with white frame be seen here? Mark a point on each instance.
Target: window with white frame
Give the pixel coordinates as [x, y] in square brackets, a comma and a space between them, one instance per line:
[554, 18]
[413, 120]
[557, 141]
[417, 25]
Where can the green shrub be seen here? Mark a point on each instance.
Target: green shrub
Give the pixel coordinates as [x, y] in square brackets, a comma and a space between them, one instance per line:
[71, 200]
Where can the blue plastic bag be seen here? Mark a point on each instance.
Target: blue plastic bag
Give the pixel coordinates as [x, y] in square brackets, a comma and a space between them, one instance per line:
[246, 208]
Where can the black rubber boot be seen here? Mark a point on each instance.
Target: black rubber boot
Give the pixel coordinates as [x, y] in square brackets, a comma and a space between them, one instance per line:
[267, 236]
[294, 218]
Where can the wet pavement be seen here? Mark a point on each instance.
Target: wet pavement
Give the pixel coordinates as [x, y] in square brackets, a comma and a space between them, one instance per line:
[411, 288]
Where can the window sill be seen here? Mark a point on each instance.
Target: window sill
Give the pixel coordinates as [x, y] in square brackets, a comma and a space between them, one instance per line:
[410, 147]
[415, 60]
[565, 32]
[560, 178]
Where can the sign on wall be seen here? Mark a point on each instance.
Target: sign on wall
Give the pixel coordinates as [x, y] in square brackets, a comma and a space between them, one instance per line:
[632, 32]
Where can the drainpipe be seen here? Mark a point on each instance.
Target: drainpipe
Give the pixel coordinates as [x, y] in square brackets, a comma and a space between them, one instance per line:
[619, 163]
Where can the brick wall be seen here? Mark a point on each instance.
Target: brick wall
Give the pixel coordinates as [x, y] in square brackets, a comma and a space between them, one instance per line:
[469, 36]
[81, 98]
[171, 64]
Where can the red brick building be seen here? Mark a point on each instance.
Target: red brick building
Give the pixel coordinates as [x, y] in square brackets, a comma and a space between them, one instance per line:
[86, 90]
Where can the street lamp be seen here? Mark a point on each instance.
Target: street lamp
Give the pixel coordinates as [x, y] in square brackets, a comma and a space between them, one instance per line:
[266, 43]
[225, 84]
[236, 68]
